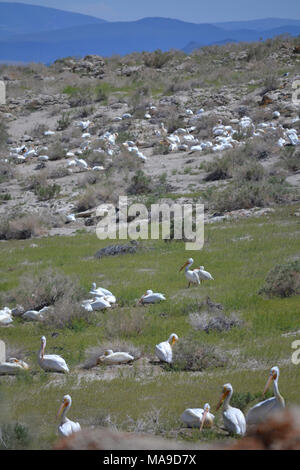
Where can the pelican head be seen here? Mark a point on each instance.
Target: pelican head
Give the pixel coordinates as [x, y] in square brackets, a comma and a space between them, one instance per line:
[227, 390]
[189, 262]
[18, 361]
[94, 285]
[206, 409]
[274, 374]
[67, 402]
[149, 291]
[108, 352]
[173, 338]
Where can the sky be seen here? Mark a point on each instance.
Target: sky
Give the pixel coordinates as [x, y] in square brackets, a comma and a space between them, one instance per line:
[196, 11]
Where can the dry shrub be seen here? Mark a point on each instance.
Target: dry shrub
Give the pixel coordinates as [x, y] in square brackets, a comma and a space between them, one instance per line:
[291, 158]
[59, 172]
[282, 281]
[6, 171]
[116, 345]
[56, 151]
[190, 354]
[22, 227]
[127, 325]
[68, 313]
[207, 322]
[45, 288]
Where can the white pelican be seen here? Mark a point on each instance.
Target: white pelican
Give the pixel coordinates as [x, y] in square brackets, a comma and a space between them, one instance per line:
[35, 314]
[198, 417]
[5, 316]
[12, 366]
[261, 411]
[110, 357]
[51, 362]
[101, 292]
[164, 350]
[100, 303]
[151, 298]
[192, 276]
[66, 427]
[233, 418]
[203, 275]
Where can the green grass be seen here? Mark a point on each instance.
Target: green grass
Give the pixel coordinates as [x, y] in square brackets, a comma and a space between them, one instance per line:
[239, 267]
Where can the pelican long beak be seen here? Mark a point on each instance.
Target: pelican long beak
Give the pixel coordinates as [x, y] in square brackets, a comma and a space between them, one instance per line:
[43, 351]
[269, 381]
[223, 396]
[203, 419]
[173, 340]
[183, 266]
[62, 407]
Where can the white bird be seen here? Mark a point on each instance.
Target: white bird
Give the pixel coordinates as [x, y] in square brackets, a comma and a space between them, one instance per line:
[81, 163]
[262, 410]
[164, 350]
[151, 298]
[100, 303]
[5, 316]
[49, 133]
[66, 427]
[35, 314]
[51, 362]
[198, 417]
[71, 218]
[110, 357]
[126, 116]
[233, 418]
[43, 158]
[12, 366]
[101, 292]
[84, 124]
[203, 275]
[192, 276]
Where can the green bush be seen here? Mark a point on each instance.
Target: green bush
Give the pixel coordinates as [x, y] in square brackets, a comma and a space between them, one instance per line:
[283, 280]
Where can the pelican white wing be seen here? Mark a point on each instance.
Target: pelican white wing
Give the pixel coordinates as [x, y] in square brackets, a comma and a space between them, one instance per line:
[164, 351]
[68, 428]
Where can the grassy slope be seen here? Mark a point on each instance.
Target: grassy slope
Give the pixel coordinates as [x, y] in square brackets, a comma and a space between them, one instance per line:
[239, 267]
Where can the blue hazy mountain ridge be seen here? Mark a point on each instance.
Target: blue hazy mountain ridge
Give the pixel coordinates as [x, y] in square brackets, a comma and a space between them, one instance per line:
[26, 34]
[19, 18]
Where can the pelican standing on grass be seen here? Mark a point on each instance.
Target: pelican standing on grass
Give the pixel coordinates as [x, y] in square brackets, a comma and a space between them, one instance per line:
[262, 410]
[195, 417]
[51, 362]
[192, 276]
[66, 427]
[164, 350]
[233, 418]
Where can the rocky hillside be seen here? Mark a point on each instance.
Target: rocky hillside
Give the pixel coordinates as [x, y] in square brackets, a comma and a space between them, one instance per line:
[219, 126]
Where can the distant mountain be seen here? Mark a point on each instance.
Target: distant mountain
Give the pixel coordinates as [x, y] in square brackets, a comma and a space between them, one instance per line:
[27, 34]
[258, 25]
[20, 18]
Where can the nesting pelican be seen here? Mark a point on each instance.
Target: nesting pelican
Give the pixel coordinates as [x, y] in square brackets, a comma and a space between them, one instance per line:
[198, 417]
[164, 350]
[151, 298]
[110, 357]
[51, 362]
[262, 410]
[12, 366]
[233, 418]
[66, 427]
